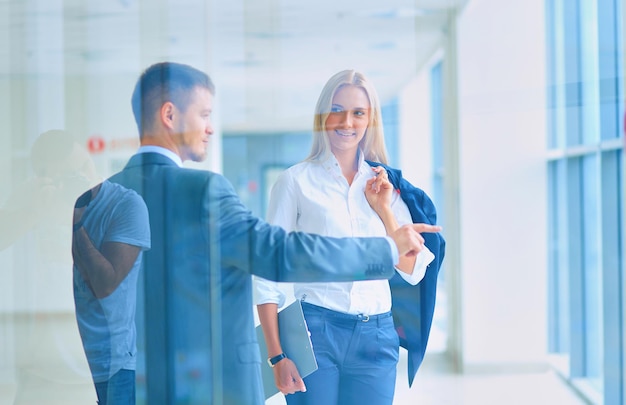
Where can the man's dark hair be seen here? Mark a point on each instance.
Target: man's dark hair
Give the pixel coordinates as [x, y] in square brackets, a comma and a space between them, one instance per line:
[163, 82]
[50, 150]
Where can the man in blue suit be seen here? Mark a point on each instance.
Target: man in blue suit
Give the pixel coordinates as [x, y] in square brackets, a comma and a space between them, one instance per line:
[195, 319]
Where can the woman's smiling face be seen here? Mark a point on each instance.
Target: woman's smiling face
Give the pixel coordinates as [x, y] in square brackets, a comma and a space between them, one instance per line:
[348, 119]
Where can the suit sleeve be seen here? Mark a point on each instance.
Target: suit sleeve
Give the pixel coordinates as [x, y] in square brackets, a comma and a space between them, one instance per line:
[250, 244]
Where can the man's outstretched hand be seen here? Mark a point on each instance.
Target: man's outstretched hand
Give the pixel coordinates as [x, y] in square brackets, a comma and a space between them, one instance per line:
[408, 238]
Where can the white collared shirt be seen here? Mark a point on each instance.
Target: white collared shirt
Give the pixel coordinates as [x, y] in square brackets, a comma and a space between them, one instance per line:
[315, 197]
[161, 151]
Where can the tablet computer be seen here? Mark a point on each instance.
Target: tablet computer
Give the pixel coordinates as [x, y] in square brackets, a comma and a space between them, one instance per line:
[296, 344]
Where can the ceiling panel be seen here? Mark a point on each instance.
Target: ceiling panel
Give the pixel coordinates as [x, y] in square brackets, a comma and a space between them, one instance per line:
[269, 59]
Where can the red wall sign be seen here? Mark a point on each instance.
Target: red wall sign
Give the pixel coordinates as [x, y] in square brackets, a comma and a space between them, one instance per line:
[95, 144]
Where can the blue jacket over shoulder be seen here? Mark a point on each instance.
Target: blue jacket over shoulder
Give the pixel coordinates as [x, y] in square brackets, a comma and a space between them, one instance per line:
[413, 305]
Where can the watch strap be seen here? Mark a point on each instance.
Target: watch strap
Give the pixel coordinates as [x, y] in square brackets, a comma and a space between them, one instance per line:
[273, 360]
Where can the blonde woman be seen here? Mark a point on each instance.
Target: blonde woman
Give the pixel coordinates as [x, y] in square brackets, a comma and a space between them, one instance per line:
[335, 192]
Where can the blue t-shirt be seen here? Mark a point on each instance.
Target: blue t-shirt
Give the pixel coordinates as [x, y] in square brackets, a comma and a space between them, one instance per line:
[107, 325]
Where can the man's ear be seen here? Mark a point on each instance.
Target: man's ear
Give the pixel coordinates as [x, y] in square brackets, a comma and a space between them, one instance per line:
[167, 114]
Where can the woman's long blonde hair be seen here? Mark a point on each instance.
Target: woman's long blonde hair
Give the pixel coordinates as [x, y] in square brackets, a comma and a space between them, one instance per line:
[373, 143]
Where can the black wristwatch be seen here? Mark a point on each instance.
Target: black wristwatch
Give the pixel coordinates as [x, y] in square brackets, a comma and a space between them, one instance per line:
[273, 360]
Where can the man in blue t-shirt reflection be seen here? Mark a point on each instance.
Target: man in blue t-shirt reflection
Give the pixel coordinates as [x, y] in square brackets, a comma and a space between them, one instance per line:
[111, 231]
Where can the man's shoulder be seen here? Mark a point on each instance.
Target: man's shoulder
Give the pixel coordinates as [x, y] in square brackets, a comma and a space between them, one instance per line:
[197, 180]
[197, 174]
[114, 194]
[139, 177]
[165, 170]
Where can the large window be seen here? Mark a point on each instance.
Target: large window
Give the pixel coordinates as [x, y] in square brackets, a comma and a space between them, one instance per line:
[586, 202]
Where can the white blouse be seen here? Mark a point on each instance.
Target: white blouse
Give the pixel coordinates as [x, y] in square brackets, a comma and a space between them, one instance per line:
[315, 197]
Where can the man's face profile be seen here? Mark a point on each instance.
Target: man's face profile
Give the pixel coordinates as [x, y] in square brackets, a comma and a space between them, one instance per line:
[193, 126]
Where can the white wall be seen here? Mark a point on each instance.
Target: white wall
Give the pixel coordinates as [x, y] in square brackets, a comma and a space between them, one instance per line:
[502, 168]
[415, 138]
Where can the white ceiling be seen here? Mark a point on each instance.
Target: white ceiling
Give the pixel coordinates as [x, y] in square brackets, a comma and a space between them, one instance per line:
[269, 58]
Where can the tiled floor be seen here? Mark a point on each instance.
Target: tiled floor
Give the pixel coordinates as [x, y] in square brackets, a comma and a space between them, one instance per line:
[435, 384]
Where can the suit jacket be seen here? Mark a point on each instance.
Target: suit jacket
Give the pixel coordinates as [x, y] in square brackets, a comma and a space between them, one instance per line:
[195, 320]
[413, 306]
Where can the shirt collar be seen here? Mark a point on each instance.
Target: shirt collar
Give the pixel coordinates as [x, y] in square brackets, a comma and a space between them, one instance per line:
[330, 164]
[161, 151]
[330, 159]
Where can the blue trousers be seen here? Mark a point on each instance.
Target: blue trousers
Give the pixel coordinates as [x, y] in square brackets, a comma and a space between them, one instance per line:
[118, 390]
[356, 357]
